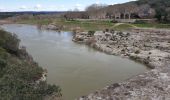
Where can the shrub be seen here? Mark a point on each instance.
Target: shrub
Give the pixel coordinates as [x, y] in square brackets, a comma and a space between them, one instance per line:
[107, 30]
[128, 34]
[91, 33]
[9, 42]
[145, 61]
[114, 21]
[3, 63]
[52, 88]
[139, 22]
[133, 57]
[112, 31]
[120, 34]
[18, 76]
[137, 51]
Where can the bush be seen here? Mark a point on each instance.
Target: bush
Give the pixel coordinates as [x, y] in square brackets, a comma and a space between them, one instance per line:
[107, 30]
[137, 51]
[128, 34]
[145, 61]
[120, 34]
[114, 21]
[18, 76]
[9, 42]
[91, 33]
[52, 88]
[3, 63]
[112, 31]
[139, 22]
[133, 57]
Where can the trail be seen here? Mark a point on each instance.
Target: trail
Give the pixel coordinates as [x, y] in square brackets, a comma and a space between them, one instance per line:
[117, 24]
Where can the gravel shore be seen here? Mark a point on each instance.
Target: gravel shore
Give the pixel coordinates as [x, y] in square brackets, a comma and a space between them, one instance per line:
[148, 46]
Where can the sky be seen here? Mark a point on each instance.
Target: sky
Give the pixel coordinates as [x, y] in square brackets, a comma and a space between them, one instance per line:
[52, 5]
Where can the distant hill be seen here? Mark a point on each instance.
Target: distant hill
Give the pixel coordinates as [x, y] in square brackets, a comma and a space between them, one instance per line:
[162, 8]
[155, 3]
[11, 14]
[135, 9]
[142, 9]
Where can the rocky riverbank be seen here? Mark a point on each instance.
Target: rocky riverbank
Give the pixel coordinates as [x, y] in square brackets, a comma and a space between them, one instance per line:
[51, 27]
[148, 46]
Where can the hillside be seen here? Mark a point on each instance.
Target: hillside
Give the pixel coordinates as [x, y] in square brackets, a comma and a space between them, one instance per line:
[141, 9]
[162, 7]
[20, 77]
[155, 3]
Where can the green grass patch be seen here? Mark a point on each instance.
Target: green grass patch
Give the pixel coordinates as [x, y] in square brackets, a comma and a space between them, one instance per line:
[147, 25]
[70, 24]
[123, 27]
[90, 24]
[35, 21]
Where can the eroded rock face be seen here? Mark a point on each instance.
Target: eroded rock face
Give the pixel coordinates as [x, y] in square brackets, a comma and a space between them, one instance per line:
[151, 47]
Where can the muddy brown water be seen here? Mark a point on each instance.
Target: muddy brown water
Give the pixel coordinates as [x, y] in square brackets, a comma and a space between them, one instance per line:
[78, 69]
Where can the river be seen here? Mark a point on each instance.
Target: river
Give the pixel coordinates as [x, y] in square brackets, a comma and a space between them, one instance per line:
[78, 69]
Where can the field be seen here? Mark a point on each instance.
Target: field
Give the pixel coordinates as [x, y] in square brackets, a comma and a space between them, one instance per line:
[93, 25]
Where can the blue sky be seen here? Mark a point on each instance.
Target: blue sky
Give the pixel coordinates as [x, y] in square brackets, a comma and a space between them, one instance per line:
[51, 5]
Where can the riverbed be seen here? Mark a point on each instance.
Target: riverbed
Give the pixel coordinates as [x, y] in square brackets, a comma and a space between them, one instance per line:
[78, 69]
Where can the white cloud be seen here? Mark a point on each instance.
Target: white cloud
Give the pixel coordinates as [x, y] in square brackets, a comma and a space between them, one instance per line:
[23, 7]
[98, 2]
[62, 8]
[79, 6]
[2, 9]
[38, 6]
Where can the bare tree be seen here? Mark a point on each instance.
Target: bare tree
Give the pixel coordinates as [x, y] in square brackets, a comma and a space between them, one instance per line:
[96, 11]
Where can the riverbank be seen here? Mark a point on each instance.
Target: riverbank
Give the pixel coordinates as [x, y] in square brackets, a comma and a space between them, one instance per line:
[148, 46]
[20, 76]
[61, 24]
[5, 22]
[82, 61]
[87, 24]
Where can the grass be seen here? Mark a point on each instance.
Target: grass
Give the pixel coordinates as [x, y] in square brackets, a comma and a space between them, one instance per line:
[122, 27]
[147, 25]
[93, 25]
[35, 21]
[69, 25]
[85, 25]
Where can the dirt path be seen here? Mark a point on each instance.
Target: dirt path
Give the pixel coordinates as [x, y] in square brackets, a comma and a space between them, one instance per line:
[117, 24]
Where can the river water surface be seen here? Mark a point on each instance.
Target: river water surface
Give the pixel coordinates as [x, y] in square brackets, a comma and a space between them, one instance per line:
[78, 69]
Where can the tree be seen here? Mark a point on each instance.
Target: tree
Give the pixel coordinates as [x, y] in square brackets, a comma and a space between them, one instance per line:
[161, 14]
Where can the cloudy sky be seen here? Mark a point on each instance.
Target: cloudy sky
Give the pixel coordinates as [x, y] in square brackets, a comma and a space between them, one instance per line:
[51, 5]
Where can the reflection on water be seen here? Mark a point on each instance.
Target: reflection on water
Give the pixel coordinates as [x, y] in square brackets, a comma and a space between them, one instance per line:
[78, 69]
